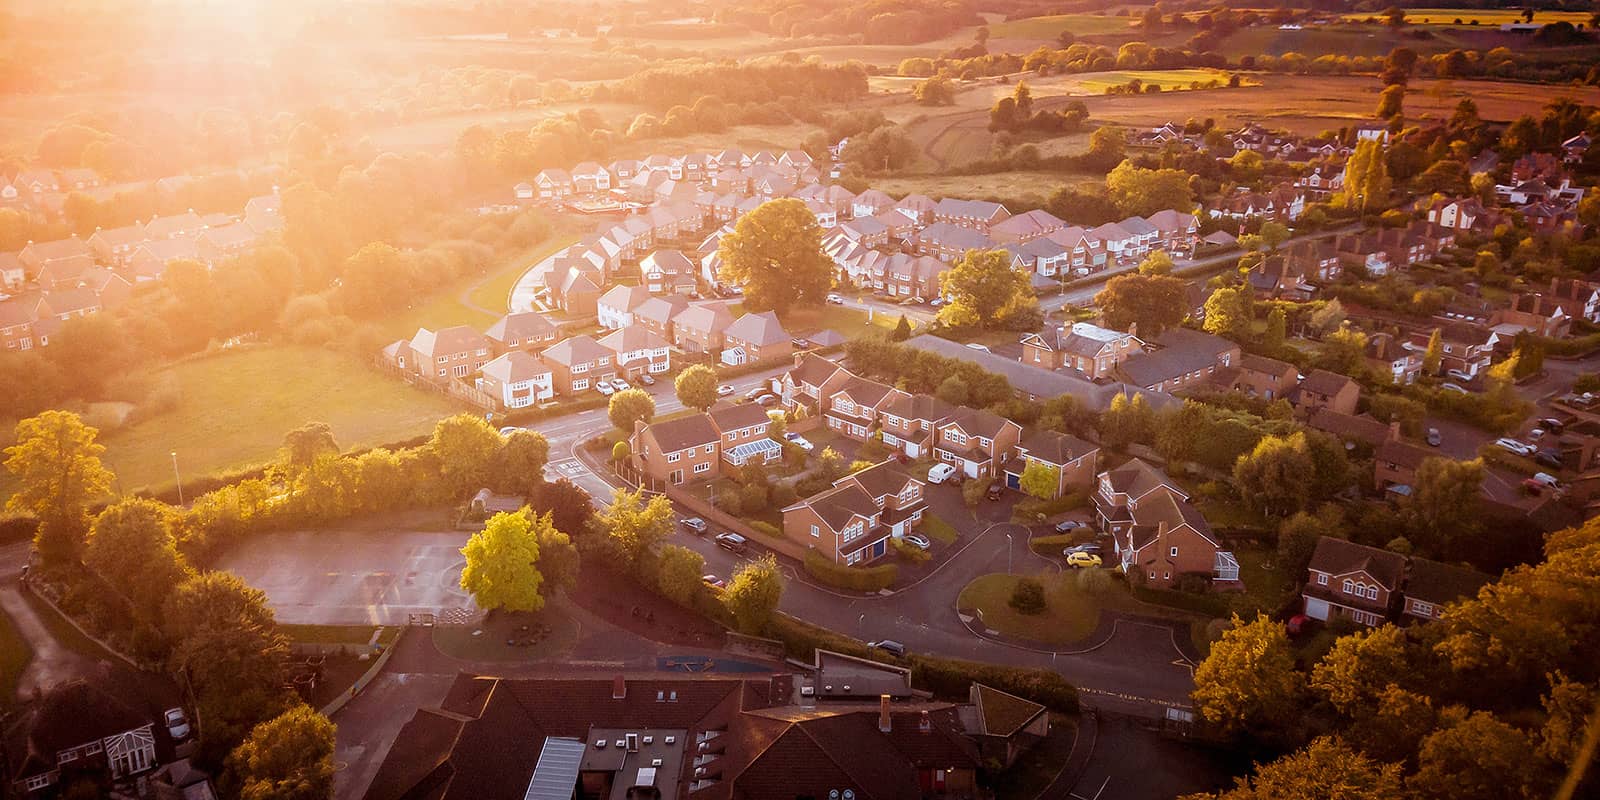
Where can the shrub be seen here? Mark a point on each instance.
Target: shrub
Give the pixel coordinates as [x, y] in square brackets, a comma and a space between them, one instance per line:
[1051, 545]
[766, 529]
[973, 490]
[17, 529]
[1027, 597]
[1033, 507]
[909, 552]
[802, 639]
[730, 502]
[620, 451]
[952, 679]
[860, 579]
[783, 495]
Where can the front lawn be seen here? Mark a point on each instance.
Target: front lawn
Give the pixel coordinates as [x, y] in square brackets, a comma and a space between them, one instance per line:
[937, 529]
[1266, 585]
[1070, 614]
[849, 322]
[233, 409]
[337, 634]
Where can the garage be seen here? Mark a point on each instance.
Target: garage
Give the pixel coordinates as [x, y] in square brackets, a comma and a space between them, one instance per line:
[1317, 609]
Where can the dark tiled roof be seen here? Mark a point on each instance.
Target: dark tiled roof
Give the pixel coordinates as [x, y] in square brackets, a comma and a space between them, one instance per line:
[1003, 714]
[1180, 352]
[1056, 448]
[1340, 557]
[1348, 426]
[865, 392]
[1433, 582]
[813, 369]
[735, 417]
[1403, 453]
[676, 434]
[839, 505]
[1323, 382]
[881, 479]
[1266, 366]
[917, 407]
[978, 422]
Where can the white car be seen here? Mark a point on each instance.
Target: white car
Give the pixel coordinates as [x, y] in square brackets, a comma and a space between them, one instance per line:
[918, 541]
[508, 430]
[1520, 448]
[177, 724]
[620, 384]
[798, 441]
[976, 346]
[604, 388]
[836, 299]
[939, 473]
[724, 390]
[1459, 375]
[1547, 479]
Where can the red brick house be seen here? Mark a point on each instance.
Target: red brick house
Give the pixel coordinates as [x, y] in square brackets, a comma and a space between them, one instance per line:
[1259, 376]
[1349, 580]
[976, 442]
[453, 352]
[755, 337]
[811, 381]
[1158, 535]
[677, 451]
[1073, 459]
[852, 522]
[37, 254]
[116, 246]
[702, 328]
[659, 315]
[1087, 349]
[1324, 389]
[516, 379]
[520, 331]
[1395, 463]
[577, 362]
[907, 421]
[744, 434]
[852, 407]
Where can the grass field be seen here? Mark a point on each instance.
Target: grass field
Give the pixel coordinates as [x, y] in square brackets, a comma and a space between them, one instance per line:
[221, 422]
[937, 529]
[850, 322]
[14, 657]
[999, 184]
[1491, 16]
[337, 634]
[1050, 27]
[489, 292]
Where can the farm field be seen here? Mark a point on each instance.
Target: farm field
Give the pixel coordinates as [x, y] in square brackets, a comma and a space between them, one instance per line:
[1049, 27]
[1488, 16]
[1000, 184]
[222, 423]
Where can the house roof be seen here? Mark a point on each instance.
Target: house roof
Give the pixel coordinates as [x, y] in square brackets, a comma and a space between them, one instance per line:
[522, 326]
[125, 235]
[633, 337]
[1323, 382]
[671, 262]
[455, 339]
[1001, 713]
[1028, 224]
[1348, 426]
[827, 337]
[1180, 352]
[704, 318]
[758, 330]
[978, 422]
[663, 309]
[575, 350]
[59, 248]
[739, 416]
[917, 407]
[1040, 382]
[1404, 454]
[813, 369]
[1437, 583]
[235, 234]
[684, 432]
[881, 479]
[1056, 448]
[1136, 477]
[1267, 366]
[515, 367]
[842, 503]
[864, 392]
[1340, 557]
[174, 225]
[1166, 507]
[624, 298]
[66, 716]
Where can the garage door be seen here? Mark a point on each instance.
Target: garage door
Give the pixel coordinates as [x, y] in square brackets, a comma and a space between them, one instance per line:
[1013, 480]
[1317, 609]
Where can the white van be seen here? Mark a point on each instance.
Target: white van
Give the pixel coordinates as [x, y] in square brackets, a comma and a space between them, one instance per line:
[939, 473]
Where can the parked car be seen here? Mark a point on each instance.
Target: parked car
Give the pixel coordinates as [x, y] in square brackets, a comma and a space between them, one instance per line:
[713, 581]
[834, 299]
[757, 392]
[918, 540]
[1450, 387]
[1552, 425]
[604, 388]
[1069, 525]
[695, 524]
[1549, 458]
[620, 384]
[1532, 486]
[800, 342]
[798, 441]
[939, 473]
[1091, 549]
[733, 543]
[508, 430]
[177, 724]
[1083, 560]
[1459, 375]
[995, 490]
[976, 346]
[1536, 434]
[767, 399]
[1546, 479]
[724, 390]
[1520, 448]
[1433, 437]
[646, 379]
[936, 302]
[889, 646]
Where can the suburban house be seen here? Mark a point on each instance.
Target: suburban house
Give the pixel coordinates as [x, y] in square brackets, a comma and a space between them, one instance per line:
[668, 271]
[1371, 586]
[222, 242]
[976, 442]
[454, 352]
[574, 287]
[1181, 358]
[1157, 534]
[1026, 226]
[149, 261]
[577, 362]
[638, 351]
[677, 450]
[520, 331]
[115, 246]
[1259, 376]
[701, 736]
[852, 522]
[948, 241]
[852, 407]
[659, 315]
[12, 273]
[615, 308]
[702, 328]
[1085, 348]
[1324, 389]
[907, 421]
[78, 729]
[1395, 463]
[1003, 724]
[754, 337]
[744, 434]
[1467, 348]
[811, 381]
[1073, 459]
[590, 178]
[516, 379]
[553, 184]
[980, 215]
[37, 254]
[1386, 355]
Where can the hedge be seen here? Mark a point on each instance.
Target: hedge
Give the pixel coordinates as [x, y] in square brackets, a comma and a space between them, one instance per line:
[1211, 605]
[801, 640]
[765, 528]
[952, 679]
[17, 529]
[860, 579]
[1050, 545]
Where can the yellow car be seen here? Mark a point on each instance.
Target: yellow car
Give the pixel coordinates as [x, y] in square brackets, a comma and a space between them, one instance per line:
[1082, 560]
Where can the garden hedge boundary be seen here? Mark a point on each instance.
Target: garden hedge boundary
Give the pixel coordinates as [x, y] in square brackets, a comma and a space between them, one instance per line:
[859, 579]
[951, 679]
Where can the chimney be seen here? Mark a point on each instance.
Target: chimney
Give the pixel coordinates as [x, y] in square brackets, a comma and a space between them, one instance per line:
[1133, 329]
[798, 357]
[1394, 430]
[925, 724]
[883, 713]
[619, 688]
[1161, 538]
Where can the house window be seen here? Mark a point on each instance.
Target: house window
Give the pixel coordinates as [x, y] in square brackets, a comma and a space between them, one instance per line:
[38, 782]
[815, 531]
[66, 755]
[709, 448]
[579, 384]
[1349, 586]
[672, 458]
[702, 467]
[1322, 580]
[1372, 592]
[1173, 552]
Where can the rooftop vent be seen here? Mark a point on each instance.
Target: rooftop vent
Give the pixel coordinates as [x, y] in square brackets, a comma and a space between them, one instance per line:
[670, 739]
[599, 744]
[655, 762]
[651, 739]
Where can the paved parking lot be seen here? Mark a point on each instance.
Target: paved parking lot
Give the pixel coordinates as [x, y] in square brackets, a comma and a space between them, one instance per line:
[354, 577]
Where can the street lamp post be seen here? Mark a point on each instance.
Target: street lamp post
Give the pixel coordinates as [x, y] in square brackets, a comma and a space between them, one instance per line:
[1008, 554]
[177, 475]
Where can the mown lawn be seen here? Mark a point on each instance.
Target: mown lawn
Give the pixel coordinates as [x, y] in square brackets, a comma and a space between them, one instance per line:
[850, 322]
[937, 529]
[1049, 27]
[1070, 613]
[235, 407]
[337, 634]
[491, 292]
[14, 657]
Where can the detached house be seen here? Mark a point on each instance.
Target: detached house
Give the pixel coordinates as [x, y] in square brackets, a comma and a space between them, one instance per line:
[615, 308]
[1324, 389]
[77, 729]
[1182, 358]
[907, 421]
[1259, 376]
[520, 331]
[516, 380]
[702, 328]
[1073, 459]
[590, 178]
[852, 522]
[659, 315]
[811, 381]
[1026, 226]
[576, 363]
[755, 337]
[638, 351]
[976, 442]
[744, 434]
[677, 450]
[1157, 534]
[852, 407]
[1372, 586]
[668, 271]
[116, 246]
[453, 352]
[553, 184]
[1085, 348]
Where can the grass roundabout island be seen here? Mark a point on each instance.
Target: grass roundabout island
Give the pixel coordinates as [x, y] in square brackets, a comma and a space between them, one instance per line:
[1071, 609]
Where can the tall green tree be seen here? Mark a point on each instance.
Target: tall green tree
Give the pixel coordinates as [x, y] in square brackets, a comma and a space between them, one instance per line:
[502, 571]
[1391, 100]
[466, 446]
[1366, 178]
[697, 387]
[983, 290]
[1298, 535]
[1041, 480]
[1140, 191]
[678, 573]
[775, 253]
[1474, 755]
[131, 547]
[288, 757]
[1445, 504]
[902, 330]
[1152, 302]
[1230, 312]
[1127, 421]
[518, 466]
[1157, 263]
[635, 525]
[1273, 477]
[304, 445]
[1326, 769]
[1432, 356]
[935, 91]
[1248, 684]
[56, 463]
[629, 406]
[1353, 674]
[1277, 329]
[753, 594]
